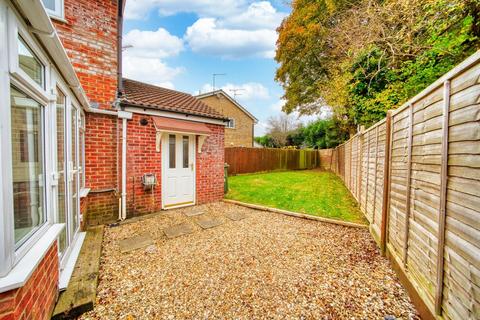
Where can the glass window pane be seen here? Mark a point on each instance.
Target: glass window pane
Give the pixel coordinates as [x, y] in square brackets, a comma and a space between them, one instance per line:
[74, 187]
[185, 151]
[171, 151]
[49, 4]
[29, 62]
[81, 155]
[61, 204]
[28, 176]
[74, 174]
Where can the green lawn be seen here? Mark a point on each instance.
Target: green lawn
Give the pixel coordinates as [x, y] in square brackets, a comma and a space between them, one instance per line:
[315, 192]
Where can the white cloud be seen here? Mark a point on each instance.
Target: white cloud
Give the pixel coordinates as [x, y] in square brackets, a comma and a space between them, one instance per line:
[152, 44]
[259, 15]
[150, 70]
[277, 106]
[229, 29]
[247, 91]
[144, 61]
[206, 37]
[139, 9]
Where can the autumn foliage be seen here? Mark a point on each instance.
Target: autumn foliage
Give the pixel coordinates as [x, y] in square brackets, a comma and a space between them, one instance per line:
[363, 57]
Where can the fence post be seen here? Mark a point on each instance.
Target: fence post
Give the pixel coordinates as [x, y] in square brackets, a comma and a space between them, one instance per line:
[409, 183]
[443, 199]
[386, 184]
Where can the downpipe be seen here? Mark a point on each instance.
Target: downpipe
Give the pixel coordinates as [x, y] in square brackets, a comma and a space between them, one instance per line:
[123, 205]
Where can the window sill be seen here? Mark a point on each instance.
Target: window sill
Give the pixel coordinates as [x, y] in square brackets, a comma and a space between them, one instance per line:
[22, 271]
[84, 192]
[57, 18]
[66, 273]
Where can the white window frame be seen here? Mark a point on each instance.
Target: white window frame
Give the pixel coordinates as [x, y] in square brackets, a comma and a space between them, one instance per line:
[11, 255]
[59, 12]
[231, 123]
[70, 104]
[24, 83]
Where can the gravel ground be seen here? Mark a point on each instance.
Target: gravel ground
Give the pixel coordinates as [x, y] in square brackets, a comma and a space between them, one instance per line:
[267, 266]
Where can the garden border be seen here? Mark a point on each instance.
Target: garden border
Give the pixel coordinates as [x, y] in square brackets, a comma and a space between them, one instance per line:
[297, 214]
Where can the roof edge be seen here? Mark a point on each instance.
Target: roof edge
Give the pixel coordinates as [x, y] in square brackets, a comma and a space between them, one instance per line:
[221, 91]
[142, 106]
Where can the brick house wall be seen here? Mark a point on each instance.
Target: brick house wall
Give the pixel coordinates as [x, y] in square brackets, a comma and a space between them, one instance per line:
[89, 35]
[101, 167]
[209, 166]
[242, 134]
[142, 158]
[36, 299]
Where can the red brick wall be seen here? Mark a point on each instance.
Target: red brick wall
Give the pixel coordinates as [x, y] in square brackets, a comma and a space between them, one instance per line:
[36, 299]
[142, 158]
[89, 36]
[209, 167]
[101, 163]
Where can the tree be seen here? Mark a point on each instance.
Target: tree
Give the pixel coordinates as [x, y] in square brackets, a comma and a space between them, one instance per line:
[266, 141]
[363, 57]
[323, 134]
[280, 127]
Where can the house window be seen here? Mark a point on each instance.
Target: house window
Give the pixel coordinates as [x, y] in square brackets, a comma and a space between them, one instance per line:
[185, 151]
[27, 118]
[231, 123]
[171, 151]
[54, 7]
[30, 63]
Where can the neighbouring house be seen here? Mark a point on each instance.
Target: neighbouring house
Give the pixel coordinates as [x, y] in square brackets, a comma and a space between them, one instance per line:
[80, 145]
[239, 131]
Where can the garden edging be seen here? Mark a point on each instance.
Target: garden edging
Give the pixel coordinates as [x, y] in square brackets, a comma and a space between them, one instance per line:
[297, 214]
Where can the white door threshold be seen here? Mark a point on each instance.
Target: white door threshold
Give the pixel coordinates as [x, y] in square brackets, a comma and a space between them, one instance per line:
[67, 271]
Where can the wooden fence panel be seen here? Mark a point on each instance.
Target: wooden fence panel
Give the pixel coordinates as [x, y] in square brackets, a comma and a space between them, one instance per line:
[249, 160]
[416, 177]
[461, 273]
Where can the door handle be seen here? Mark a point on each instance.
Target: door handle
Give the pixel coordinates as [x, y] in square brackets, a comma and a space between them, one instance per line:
[191, 166]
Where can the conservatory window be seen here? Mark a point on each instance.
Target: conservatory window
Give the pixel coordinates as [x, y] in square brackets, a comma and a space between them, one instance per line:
[28, 165]
[30, 63]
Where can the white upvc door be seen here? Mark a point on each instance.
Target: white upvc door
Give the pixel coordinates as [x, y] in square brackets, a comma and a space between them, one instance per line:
[178, 170]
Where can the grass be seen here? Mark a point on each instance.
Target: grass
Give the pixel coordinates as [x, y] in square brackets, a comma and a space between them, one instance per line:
[315, 192]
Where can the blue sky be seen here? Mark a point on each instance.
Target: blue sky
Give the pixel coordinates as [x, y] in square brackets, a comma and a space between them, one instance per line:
[179, 44]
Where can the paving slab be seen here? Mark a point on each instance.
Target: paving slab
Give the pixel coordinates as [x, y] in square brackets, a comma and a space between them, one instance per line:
[208, 222]
[195, 211]
[178, 230]
[136, 242]
[82, 289]
[235, 216]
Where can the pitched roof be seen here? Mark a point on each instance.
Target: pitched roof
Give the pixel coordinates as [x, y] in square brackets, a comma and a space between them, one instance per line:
[212, 93]
[148, 96]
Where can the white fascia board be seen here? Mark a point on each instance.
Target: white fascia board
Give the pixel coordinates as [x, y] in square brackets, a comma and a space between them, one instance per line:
[174, 115]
